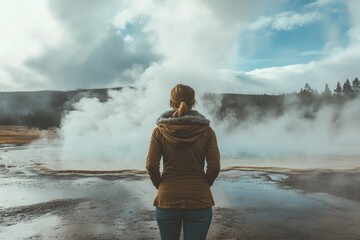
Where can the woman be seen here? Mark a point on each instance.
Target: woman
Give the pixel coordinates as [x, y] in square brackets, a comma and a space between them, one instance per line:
[184, 139]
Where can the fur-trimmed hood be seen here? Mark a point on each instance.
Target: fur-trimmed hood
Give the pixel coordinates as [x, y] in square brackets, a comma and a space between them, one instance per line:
[182, 131]
[191, 116]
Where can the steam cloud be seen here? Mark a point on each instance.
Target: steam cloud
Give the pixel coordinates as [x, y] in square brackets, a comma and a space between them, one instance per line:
[333, 131]
[118, 131]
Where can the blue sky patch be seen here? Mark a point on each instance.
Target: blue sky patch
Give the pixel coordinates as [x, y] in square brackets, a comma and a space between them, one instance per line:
[288, 38]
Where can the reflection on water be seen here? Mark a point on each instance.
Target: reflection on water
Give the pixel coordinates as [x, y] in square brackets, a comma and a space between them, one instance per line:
[253, 190]
[254, 195]
[35, 191]
[52, 157]
[261, 202]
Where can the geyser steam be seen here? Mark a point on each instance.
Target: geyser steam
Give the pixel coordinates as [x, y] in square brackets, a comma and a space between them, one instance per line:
[119, 130]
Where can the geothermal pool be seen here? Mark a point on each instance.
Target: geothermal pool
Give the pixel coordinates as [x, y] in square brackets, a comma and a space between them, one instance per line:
[265, 198]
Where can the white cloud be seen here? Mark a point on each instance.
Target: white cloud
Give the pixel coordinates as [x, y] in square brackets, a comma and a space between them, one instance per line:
[261, 23]
[312, 53]
[27, 30]
[124, 17]
[195, 39]
[128, 15]
[290, 20]
[354, 32]
[284, 21]
[321, 3]
[241, 12]
[335, 67]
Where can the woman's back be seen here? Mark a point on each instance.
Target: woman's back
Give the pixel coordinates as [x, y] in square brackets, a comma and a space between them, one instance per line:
[185, 142]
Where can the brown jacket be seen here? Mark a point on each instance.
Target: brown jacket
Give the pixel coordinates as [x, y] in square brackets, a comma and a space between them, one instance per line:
[184, 143]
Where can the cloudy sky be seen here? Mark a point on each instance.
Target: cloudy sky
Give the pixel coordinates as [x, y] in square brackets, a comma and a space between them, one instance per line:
[238, 46]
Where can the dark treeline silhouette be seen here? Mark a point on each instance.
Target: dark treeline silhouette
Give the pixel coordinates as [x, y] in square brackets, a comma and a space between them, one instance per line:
[341, 93]
[239, 108]
[42, 109]
[45, 109]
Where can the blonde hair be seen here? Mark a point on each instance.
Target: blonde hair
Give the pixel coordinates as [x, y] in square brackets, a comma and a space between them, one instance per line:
[182, 99]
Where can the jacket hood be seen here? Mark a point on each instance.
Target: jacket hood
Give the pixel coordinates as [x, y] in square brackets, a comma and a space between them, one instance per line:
[182, 131]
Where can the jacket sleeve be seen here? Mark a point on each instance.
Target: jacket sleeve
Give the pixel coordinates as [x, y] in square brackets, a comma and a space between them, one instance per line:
[212, 158]
[154, 157]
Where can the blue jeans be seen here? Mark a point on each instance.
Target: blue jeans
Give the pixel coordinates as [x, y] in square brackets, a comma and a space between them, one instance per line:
[196, 223]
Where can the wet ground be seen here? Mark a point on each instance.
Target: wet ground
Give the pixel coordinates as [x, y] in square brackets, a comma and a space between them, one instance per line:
[251, 203]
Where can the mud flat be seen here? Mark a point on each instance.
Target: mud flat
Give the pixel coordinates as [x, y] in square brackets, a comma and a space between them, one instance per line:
[22, 135]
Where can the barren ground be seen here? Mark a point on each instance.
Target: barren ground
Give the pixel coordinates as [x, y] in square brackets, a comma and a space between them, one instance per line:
[251, 202]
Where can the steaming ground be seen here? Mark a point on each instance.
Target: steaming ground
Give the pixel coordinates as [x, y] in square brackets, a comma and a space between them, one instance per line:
[115, 134]
[250, 203]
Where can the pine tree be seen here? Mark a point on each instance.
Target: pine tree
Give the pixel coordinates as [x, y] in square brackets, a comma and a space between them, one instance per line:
[307, 94]
[356, 86]
[327, 91]
[347, 90]
[338, 90]
[308, 89]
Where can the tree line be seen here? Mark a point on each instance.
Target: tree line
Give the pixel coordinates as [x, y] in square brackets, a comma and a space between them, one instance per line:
[346, 90]
[45, 109]
[311, 100]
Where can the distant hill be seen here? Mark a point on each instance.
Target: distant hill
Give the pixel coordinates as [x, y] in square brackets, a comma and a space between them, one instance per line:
[42, 109]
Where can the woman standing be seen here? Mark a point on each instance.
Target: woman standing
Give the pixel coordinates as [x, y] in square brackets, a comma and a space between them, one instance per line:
[184, 139]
